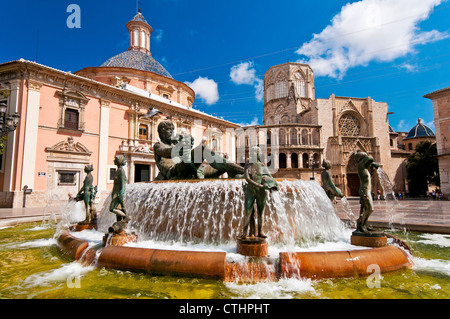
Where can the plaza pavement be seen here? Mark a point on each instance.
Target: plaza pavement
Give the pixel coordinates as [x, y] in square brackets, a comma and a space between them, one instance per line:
[431, 216]
[420, 215]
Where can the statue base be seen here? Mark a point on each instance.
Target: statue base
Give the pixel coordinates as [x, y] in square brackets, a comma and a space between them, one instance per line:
[84, 225]
[368, 239]
[119, 239]
[253, 246]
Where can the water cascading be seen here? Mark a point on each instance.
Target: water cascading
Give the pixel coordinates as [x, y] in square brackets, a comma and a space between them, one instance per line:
[212, 211]
[389, 195]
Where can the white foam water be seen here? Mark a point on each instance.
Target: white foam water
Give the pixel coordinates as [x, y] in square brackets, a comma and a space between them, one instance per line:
[212, 212]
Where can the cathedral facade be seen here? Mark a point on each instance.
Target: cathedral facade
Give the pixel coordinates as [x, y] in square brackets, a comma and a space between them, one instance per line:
[300, 131]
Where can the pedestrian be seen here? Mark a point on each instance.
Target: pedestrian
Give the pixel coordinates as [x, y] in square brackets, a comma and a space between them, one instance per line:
[433, 194]
[378, 194]
[399, 195]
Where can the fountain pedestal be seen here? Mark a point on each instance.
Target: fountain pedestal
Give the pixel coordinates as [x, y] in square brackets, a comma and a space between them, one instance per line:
[119, 239]
[368, 239]
[84, 225]
[253, 246]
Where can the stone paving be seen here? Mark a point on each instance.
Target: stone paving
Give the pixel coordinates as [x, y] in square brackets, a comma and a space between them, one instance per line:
[415, 215]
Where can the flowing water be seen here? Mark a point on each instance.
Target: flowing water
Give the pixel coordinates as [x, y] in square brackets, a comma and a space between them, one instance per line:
[212, 212]
[389, 195]
[299, 217]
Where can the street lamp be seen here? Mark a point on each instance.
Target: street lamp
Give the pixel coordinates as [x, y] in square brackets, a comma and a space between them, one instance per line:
[312, 162]
[7, 123]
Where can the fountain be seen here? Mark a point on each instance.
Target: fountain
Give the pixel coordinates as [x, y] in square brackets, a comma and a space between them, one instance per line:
[199, 227]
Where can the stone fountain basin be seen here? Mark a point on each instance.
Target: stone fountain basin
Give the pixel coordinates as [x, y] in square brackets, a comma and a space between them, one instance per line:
[214, 264]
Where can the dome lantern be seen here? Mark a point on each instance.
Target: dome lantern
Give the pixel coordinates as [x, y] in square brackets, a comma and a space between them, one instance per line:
[139, 33]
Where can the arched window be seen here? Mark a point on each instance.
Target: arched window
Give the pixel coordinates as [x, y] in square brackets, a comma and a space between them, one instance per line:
[281, 86]
[284, 119]
[294, 160]
[316, 158]
[293, 139]
[299, 84]
[282, 160]
[305, 137]
[305, 158]
[282, 137]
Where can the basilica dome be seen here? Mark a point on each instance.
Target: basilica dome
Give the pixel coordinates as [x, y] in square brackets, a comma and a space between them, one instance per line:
[137, 60]
[420, 130]
[138, 55]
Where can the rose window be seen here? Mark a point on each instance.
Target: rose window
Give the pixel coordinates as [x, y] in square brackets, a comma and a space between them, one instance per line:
[349, 125]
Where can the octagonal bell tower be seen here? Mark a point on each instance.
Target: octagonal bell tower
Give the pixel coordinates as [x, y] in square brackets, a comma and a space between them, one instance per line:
[288, 93]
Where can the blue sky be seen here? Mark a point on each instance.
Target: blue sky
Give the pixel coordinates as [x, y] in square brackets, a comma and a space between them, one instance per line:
[394, 51]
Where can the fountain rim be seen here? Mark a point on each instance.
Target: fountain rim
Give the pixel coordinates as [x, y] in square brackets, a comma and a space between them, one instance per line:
[209, 264]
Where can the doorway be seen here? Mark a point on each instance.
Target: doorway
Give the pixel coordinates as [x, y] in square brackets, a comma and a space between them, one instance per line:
[141, 173]
[353, 184]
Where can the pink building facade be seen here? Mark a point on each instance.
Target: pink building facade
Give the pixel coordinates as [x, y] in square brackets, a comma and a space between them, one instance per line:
[70, 120]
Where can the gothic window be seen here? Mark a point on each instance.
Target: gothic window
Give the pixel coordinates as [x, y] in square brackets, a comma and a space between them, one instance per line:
[293, 136]
[349, 125]
[282, 137]
[305, 137]
[269, 93]
[299, 84]
[281, 86]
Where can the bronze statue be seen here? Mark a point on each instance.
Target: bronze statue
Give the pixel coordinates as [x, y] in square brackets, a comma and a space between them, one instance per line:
[366, 164]
[258, 181]
[87, 194]
[327, 182]
[177, 159]
[118, 196]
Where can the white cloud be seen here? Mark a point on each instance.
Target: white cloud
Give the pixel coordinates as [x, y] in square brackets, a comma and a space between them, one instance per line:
[369, 30]
[206, 89]
[402, 126]
[255, 121]
[157, 35]
[245, 73]
[259, 93]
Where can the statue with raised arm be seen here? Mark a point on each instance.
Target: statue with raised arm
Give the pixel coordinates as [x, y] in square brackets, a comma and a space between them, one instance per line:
[118, 196]
[366, 164]
[258, 181]
[87, 194]
[176, 158]
[327, 182]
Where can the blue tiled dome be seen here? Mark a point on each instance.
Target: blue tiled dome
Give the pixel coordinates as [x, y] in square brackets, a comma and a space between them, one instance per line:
[420, 130]
[137, 60]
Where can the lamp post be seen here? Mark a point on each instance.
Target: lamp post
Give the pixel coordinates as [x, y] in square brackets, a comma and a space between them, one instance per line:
[312, 162]
[8, 123]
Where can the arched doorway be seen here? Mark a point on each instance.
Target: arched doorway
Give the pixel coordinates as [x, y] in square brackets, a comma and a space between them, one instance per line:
[352, 177]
